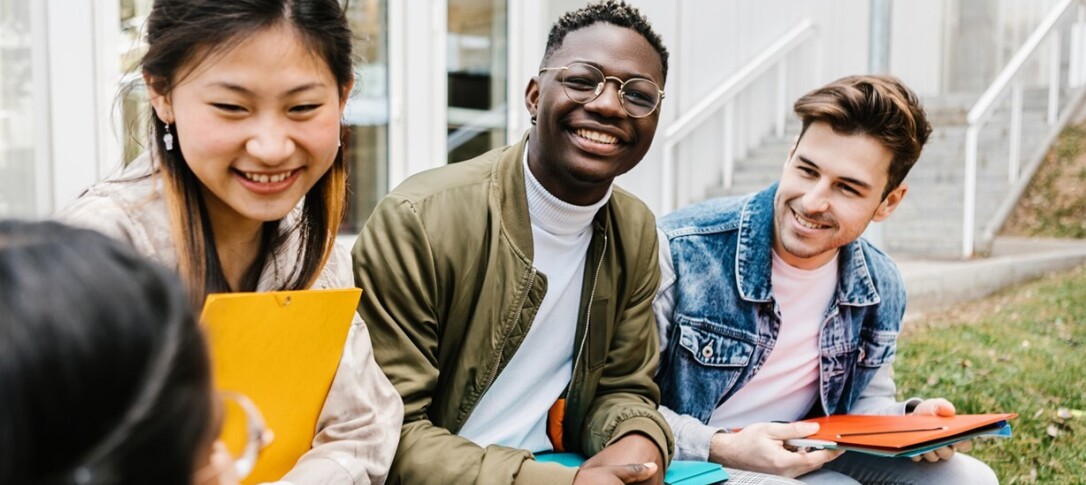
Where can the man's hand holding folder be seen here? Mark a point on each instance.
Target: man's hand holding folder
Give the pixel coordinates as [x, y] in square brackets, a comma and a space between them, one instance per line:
[758, 448]
[917, 436]
[939, 407]
[932, 432]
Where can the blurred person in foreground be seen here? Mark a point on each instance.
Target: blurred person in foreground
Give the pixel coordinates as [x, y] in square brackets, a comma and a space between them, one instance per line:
[104, 373]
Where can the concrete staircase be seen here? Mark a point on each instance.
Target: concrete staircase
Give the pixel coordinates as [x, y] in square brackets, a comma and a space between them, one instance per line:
[929, 221]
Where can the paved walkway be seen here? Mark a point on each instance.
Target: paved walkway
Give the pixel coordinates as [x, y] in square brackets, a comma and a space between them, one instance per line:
[935, 285]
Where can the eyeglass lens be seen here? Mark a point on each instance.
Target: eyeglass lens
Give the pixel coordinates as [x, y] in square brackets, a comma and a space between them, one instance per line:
[584, 83]
[246, 443]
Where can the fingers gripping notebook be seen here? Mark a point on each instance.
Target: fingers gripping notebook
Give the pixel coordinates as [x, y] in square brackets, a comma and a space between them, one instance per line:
[904, 436]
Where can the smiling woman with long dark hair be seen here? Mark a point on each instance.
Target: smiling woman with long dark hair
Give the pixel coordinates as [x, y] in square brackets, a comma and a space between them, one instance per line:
[243, 186]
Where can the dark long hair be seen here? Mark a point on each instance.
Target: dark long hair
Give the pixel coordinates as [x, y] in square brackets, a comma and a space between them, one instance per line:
[185, 32]
[104, 373]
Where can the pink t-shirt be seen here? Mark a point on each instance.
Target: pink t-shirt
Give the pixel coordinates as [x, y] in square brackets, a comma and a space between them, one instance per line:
[786, 387]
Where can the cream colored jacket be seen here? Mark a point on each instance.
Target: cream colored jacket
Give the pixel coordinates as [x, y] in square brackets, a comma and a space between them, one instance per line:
[359, 427]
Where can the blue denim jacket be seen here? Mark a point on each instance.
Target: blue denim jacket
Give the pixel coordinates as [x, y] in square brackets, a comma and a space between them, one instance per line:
[718, 318]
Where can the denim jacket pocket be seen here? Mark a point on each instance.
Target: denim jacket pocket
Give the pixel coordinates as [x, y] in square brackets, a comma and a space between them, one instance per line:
[877, 348]
[703, 368]
[712, 349]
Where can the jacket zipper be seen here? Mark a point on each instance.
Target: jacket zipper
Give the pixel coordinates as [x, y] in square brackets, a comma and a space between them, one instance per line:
[588, 316]
[501, 348]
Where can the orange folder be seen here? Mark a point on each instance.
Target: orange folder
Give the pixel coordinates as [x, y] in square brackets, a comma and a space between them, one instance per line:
[280, 349]
[908, 435]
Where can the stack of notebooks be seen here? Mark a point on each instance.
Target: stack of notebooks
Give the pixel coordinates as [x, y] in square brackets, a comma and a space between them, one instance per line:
[901, 436]
[679, 473]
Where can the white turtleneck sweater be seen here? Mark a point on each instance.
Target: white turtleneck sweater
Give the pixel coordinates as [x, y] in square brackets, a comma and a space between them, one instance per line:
[513, 412]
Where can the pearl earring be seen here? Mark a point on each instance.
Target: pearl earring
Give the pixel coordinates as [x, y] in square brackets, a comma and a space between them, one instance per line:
[167, 139]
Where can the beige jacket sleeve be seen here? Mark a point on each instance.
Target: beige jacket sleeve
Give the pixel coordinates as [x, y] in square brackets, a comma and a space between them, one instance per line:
[359, 427]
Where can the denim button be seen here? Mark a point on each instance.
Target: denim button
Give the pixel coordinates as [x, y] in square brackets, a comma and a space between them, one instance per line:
[707, 351]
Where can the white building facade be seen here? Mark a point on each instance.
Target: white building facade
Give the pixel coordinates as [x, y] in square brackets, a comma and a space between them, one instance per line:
[443, 80]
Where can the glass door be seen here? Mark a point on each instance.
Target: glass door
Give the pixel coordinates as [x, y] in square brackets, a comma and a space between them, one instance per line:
[367, 113]
[18, 178]
[476, 63]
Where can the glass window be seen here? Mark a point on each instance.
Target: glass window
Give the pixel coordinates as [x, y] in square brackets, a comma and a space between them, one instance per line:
[367, 113]
[134, 102]
[18, 184]
[476, 60]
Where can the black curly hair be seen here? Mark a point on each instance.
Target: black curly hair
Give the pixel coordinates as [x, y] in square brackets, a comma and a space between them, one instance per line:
[616, 12]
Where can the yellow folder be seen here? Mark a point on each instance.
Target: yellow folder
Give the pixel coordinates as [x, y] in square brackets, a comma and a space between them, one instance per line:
[281, 349]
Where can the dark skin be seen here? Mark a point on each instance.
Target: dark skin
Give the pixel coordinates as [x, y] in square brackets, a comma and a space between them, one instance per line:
[576, 151]
[634, 458]
[573, 167]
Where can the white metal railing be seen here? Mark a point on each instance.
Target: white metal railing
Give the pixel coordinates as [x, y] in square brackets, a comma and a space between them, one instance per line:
[723, 99]
[473, 122]
[1009, 79]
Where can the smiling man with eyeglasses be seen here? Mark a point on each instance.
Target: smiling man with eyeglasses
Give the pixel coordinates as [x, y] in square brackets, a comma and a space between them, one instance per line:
[509, 296]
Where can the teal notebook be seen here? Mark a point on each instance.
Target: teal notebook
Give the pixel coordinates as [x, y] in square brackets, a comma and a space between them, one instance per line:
[679, 473]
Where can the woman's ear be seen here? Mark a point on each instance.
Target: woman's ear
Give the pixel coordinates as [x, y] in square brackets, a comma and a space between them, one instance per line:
[344, 95]
[161, 104]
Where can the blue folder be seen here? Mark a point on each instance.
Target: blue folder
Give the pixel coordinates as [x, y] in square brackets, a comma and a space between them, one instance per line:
[679, 473]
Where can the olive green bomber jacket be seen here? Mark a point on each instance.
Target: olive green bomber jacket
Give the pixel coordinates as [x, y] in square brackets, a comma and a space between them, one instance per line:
[445, 263]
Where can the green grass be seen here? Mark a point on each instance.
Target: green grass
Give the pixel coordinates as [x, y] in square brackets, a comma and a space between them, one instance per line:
[1053, 204]
[1020, 351]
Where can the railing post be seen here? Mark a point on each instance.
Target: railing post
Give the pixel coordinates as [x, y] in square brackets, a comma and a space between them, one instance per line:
[782, 97]
[729, 143]
[1015, 133]
[1054, 78]
[1078, 39]
[1074, 61]
[970, 202]
[667, 179]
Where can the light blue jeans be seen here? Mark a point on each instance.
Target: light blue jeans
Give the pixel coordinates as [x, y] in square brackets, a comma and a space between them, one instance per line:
[857, 468]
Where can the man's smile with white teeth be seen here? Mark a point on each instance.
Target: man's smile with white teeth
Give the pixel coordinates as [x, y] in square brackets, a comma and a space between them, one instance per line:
[265, 178]
[596, 136]
[809, 224]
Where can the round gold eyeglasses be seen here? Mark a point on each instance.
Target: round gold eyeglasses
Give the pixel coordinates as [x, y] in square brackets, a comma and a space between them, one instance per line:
[583, 83]
[256, 437]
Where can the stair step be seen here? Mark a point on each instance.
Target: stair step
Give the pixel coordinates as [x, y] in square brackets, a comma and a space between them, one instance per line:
[929, 220]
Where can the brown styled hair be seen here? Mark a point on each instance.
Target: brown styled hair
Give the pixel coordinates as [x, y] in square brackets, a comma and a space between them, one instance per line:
[875, 105]
[181, 33]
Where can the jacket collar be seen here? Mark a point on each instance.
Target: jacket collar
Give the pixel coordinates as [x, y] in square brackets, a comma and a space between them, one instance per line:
[509, 192]
[754, 263]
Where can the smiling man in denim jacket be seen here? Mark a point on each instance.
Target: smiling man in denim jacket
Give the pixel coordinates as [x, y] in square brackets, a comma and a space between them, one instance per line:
[772, 309]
